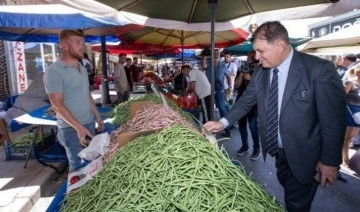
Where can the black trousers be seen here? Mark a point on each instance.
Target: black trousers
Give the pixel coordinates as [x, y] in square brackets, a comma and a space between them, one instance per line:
[298, 197]
[206, 108]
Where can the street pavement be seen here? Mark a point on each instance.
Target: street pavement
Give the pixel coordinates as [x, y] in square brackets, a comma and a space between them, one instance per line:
[340, 197]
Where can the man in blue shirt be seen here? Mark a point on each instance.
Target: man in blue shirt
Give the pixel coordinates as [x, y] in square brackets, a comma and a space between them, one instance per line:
[220, 74]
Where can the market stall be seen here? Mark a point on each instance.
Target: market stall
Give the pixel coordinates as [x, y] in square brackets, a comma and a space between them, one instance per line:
[159, 160]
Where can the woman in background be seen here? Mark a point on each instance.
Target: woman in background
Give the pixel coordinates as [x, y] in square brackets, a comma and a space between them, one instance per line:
[352, 88]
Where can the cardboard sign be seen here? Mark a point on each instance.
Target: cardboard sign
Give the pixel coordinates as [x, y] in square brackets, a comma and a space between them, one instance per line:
[80, 177]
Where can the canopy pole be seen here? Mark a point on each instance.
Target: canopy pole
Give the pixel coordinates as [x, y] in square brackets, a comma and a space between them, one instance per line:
[105, 96]
[141, 65]
[165, 69]
[212, 15]
[182, 47]
[182, 59]
[157, 66]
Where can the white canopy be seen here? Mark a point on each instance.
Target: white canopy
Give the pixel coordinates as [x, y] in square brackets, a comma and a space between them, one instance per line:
[343, 41]
[304, 12]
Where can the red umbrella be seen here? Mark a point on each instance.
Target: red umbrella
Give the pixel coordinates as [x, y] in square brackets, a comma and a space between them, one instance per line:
[147, 49]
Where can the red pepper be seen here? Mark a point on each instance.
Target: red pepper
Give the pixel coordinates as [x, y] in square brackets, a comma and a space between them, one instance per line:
[74, 179]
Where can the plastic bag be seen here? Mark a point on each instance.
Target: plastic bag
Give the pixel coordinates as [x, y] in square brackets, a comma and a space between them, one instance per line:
[356, 117]
[99, 145]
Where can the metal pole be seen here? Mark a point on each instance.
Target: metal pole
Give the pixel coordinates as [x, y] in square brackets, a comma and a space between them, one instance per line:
[212, 15]
[182, 60]
[105, 96]
[182, 47]
[141, 65]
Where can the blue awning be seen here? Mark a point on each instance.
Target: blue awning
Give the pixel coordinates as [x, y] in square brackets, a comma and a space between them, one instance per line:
[42, 23]
[187, 54]
[53, 16]
[50, 38]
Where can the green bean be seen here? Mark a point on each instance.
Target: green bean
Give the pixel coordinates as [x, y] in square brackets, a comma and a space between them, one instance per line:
[173, 170]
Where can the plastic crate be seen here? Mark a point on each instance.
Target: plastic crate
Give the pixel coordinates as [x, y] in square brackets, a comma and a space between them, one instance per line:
[13, 152]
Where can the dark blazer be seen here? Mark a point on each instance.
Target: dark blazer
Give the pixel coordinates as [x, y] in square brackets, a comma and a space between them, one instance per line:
[312, 118]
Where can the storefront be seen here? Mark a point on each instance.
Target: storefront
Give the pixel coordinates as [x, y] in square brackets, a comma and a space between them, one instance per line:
[335, 24]
[25, 60]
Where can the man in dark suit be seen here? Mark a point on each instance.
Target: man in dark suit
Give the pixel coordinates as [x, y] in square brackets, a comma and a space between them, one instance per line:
[307, 134]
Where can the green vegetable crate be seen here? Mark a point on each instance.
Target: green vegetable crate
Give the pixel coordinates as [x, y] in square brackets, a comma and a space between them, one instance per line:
[20, 147]
[17, 150]
[13, 152]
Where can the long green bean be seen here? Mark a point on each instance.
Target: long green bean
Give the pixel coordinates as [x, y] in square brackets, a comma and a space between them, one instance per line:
[173, 170]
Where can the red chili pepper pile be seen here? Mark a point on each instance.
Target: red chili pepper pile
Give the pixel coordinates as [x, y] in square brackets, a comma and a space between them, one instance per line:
[185, 102]
[151, 77]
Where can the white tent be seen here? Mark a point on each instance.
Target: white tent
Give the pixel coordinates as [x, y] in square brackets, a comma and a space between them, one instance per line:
[302, 12]
[343, 41]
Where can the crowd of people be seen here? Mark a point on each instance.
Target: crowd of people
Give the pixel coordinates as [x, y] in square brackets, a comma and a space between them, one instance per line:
[348, 68]
[126, 75]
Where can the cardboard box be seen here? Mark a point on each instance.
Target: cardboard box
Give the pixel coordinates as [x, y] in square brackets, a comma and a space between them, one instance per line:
[126, 138]
[135, 106]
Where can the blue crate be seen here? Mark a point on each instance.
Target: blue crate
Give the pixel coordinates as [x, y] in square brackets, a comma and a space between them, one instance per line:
[13, 152]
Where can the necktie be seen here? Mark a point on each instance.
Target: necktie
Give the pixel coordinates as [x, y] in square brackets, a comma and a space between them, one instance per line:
[271, 139]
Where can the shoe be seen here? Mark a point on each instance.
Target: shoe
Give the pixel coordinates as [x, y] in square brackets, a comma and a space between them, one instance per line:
[242, 150]
[255, 155]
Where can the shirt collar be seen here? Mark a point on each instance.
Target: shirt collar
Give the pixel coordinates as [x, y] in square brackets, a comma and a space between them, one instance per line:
[64, 65]
[285, 65]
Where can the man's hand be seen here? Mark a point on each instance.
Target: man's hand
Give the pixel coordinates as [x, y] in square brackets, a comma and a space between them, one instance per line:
[82, 134]
[100, 123]
[328, 173]
[214, 126]
[229, 89]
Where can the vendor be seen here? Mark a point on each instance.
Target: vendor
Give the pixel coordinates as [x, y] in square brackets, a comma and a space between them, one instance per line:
[67, 85]
[201, 86]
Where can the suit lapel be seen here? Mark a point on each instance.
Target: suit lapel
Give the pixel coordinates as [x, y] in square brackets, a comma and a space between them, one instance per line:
[294, 77]
[266, 74]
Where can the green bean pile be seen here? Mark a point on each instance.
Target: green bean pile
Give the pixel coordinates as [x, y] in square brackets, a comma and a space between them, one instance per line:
[25, 139]
[121, 113]
[173, 170]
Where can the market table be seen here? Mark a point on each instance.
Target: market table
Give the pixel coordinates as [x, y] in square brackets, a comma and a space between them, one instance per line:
[40, 118]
